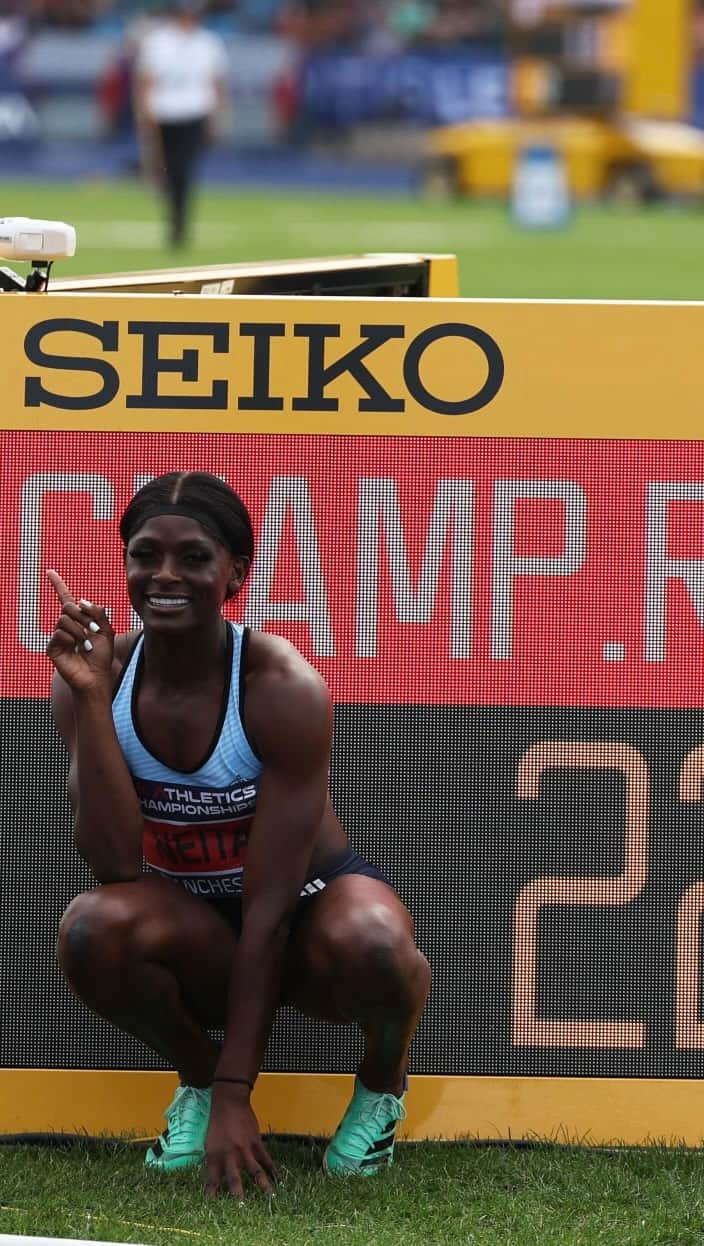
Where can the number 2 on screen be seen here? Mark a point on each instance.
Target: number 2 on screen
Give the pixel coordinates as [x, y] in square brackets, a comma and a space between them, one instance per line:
[530, 1030]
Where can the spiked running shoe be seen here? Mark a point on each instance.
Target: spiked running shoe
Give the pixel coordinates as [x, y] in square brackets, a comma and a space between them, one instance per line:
[364, 1141]
[182, 1144]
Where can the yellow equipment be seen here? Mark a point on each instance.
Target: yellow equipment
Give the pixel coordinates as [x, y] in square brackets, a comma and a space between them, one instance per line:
[630, 141]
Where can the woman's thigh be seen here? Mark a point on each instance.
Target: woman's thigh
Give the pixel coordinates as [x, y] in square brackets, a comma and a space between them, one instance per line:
[153, 920]
[338, 940]
[345, 940]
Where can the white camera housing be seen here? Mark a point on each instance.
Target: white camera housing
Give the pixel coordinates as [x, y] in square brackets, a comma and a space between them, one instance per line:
[24, 238]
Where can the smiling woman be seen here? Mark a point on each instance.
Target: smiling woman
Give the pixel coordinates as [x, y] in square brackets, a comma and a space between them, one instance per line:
[201, 748]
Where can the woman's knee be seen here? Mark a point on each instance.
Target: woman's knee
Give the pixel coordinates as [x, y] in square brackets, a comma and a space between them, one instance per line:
[95, 932]
[374, 950]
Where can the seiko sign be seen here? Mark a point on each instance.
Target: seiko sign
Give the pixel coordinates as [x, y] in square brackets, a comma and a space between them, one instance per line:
[256, 374]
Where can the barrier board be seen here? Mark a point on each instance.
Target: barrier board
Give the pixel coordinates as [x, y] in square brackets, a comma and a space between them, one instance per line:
[483, 522]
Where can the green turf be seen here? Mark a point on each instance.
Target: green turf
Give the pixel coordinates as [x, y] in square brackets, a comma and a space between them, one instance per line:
[435, 1194]
[617, 252]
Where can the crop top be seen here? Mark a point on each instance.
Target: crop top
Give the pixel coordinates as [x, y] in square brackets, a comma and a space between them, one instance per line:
[196, 823]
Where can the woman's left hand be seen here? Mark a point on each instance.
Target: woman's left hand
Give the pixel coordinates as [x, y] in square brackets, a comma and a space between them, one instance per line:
[234, 1146]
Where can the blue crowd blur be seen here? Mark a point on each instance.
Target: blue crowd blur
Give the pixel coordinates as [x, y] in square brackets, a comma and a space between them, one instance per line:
[349, 60]
[359, 25]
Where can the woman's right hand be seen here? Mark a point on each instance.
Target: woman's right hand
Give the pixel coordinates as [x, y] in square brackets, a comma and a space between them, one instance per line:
[81, 645]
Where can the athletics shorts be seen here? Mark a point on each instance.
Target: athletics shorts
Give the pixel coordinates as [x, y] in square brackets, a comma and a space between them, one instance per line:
[347, 862]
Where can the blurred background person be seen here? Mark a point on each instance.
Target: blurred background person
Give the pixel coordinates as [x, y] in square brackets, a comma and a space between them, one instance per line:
[180, 94]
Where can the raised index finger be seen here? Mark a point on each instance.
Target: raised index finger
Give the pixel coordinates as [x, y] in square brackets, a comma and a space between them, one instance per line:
[61, 589]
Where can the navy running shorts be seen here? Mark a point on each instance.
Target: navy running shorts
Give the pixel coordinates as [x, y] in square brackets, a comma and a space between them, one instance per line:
[347, 862]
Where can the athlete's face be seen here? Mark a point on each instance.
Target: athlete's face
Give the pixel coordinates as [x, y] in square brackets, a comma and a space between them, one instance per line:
[178, 574]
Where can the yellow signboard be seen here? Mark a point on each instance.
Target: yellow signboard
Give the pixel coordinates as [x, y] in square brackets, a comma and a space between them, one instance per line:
[411, 367]
[492, 549]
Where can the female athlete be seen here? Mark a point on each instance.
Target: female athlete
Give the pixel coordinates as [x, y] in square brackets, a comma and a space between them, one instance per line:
[199, 753]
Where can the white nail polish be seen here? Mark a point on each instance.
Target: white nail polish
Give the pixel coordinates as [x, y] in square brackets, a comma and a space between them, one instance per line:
[87, 646]
[93, 626]
[85, 605]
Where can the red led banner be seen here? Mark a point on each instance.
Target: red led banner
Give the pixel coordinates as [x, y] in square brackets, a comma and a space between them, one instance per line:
[437, 571]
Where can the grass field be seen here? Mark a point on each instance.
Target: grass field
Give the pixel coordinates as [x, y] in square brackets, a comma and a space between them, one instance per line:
[435, 1195]
[546, 1196]
[618, 252]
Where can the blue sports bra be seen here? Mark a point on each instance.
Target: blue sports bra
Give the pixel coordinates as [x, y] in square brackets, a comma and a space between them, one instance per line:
[196, 823]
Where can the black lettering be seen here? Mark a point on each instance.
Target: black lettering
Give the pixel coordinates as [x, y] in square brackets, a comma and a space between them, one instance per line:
[165, 849]
[186, 848]
[239, 841]
[377, 400]
[186, 365]
[465, 406]
[35, 393]
[260, 398]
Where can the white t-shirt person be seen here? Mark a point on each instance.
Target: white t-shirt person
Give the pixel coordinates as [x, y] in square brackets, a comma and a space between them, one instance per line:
[180, 89]
[183, 69]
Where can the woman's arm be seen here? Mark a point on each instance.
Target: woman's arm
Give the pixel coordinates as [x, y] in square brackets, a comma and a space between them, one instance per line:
[107, 816]
[290, 803]
[290, 718]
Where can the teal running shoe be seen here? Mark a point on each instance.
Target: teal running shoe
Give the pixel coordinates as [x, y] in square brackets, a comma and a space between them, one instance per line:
[364, 1141]
[182, 1144]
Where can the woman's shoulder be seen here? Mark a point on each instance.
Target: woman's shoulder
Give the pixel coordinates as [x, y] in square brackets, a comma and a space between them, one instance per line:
[270, 655]
[287, 698]
[278, 670]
